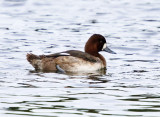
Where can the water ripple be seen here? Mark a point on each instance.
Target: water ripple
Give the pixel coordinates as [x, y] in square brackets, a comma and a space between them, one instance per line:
[129, 86]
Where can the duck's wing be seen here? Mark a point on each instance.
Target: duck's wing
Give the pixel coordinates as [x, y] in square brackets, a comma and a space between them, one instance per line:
[74, 53]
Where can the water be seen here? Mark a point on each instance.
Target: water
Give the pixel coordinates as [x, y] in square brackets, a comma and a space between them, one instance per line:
[131, 84]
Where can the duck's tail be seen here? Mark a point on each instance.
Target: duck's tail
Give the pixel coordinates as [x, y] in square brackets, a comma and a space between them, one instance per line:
[31, 57]
[35, 61]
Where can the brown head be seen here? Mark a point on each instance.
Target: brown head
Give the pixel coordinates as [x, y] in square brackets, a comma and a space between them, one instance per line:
[95, 44]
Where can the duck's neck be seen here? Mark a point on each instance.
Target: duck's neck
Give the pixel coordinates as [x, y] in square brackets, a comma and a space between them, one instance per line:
[99, 56]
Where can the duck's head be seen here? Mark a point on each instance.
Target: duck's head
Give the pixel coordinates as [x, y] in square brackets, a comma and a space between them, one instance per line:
[95, 44]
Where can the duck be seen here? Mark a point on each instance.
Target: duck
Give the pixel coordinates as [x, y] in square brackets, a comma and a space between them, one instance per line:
[74, 60]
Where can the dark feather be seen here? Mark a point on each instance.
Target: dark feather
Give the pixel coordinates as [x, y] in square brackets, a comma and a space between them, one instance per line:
[74, 53]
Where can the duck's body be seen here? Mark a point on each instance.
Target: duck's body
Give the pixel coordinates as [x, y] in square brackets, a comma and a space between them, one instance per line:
[73, 60]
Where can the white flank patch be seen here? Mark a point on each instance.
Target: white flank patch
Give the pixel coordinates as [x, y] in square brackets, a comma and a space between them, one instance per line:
[104, 46]
[90, 67]
[65, 54]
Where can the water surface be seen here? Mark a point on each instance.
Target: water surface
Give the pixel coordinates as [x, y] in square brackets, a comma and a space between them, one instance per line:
[130, 87]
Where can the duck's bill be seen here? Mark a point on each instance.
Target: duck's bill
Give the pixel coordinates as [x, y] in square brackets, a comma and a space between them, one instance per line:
[109, 50]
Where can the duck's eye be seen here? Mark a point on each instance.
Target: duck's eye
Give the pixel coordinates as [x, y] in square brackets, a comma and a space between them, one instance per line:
[101, 41]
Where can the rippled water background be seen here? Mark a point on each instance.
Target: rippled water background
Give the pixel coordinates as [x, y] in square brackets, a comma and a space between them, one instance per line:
[131, 86]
